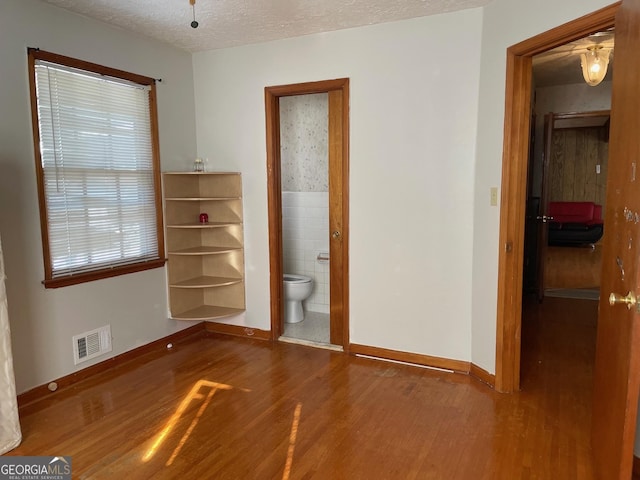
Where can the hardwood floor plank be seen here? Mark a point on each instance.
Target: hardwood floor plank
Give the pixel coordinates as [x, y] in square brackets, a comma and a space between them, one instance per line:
[223, 407]
[573, 267]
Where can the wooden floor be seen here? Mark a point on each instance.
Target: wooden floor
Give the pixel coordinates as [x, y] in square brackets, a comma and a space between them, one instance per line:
[573, 267]
[233, 408]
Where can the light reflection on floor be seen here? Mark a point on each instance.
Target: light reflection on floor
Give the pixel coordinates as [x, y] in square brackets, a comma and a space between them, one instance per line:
[292, 441]
[194, 394]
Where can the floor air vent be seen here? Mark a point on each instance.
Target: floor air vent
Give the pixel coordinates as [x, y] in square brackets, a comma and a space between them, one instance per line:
[91, 344]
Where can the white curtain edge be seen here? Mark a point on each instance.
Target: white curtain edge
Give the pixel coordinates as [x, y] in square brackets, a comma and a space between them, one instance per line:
[10, 433]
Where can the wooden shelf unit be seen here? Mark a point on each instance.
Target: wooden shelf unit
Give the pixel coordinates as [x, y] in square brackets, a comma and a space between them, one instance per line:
[205, 260]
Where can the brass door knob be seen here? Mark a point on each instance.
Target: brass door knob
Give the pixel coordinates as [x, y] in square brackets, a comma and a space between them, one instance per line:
[629, 299]
[336, 234]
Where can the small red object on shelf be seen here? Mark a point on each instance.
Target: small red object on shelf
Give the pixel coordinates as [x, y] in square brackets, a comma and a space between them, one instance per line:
[204, 218]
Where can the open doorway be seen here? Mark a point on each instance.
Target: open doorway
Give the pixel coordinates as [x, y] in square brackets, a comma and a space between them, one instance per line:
[336, 230]
[566, 194]
[304, 166]
[516, 155]
[567, 170]
[572, 198]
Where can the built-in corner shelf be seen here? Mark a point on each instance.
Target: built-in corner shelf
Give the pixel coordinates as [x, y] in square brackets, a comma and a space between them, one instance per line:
[206, 260]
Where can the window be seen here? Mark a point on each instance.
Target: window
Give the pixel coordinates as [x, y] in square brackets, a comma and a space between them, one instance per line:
[95, 136]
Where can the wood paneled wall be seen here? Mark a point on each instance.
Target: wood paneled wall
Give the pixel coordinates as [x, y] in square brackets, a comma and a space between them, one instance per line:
[575, 153]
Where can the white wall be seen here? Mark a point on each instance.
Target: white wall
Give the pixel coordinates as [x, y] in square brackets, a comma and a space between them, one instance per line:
[414, 95]
[505, 23]
[43, 321]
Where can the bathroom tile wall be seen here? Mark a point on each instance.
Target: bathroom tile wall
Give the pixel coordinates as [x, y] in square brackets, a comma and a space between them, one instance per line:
[305, 235]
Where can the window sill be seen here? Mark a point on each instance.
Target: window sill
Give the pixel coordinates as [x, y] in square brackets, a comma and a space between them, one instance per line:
[100, 274]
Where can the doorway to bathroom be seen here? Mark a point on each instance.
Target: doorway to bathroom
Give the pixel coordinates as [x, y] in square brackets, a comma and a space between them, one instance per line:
[308, 207]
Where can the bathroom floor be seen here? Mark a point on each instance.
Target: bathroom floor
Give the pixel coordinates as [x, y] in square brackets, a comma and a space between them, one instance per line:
[314, 328]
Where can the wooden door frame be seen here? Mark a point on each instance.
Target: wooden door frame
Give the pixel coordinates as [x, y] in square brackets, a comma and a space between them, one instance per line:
[543, 206]
[515, 160]
[338, 135]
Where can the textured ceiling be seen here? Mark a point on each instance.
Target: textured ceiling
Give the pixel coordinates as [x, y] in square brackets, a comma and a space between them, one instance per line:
[228, 23]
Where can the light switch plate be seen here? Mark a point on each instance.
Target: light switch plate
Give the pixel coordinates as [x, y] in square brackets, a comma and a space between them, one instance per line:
[494, 196]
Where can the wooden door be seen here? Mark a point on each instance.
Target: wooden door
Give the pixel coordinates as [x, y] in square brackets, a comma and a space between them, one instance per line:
[543, 225]
[338, 130]
[338, 175]
[617, 367]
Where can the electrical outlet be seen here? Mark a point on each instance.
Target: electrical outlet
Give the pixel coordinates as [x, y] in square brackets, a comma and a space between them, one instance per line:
[494, 196]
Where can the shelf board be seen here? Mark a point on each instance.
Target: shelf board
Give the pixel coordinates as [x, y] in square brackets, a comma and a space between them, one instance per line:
[207, 312]
[203, 225]
[206, 282]
[205, 250]
[200, 199]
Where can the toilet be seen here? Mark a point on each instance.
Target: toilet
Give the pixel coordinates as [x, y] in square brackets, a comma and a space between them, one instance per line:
[296, 289]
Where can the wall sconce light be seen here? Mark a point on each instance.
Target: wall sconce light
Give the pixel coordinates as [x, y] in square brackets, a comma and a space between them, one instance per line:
[594, 64]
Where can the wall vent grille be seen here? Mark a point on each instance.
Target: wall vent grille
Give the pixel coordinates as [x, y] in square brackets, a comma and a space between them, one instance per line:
[91, 344]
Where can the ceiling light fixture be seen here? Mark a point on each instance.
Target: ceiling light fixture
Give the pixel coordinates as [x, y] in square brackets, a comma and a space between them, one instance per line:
[594, 64]
[194, 24]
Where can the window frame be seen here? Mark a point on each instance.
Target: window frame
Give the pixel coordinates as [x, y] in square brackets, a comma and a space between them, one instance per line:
[108, 271]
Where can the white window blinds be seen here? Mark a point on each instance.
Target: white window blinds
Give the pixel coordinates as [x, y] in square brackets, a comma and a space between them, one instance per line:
[98, 169]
